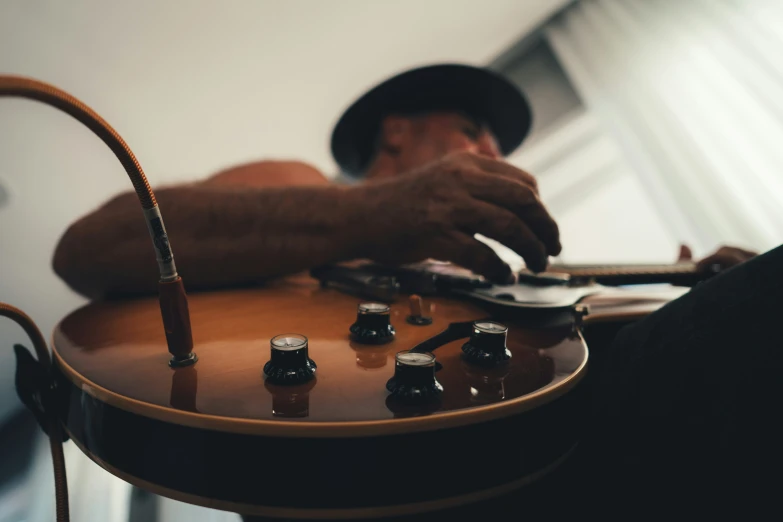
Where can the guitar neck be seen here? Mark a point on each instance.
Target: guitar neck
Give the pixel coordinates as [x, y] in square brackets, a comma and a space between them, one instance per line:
[684, 273]
[688, 268]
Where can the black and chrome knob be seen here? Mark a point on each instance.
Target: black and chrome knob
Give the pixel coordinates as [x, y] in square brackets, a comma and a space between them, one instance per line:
[487, 344]
[414, 377]
[373, 324]
[289, 362]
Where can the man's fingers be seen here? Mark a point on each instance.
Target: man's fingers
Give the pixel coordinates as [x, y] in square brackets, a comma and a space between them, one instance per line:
[686, 254]
[726, 257]
[721, 260]
[505, 169]
[468, 252]
[503, 226]
[519, 199]
[745, 254]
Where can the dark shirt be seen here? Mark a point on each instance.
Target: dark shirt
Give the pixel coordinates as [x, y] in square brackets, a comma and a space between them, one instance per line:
[688, 403]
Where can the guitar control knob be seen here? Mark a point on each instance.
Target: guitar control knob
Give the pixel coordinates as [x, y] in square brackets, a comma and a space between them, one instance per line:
[373, 324]
[290, 362]
[418, 315]
[487, 344]
[414, 377]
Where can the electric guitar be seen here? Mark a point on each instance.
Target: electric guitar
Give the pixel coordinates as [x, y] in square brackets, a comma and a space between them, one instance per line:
[351, 392]
[309, 402]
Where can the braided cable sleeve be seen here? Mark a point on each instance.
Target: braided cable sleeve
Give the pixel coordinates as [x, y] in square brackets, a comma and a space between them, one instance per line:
[43, 92]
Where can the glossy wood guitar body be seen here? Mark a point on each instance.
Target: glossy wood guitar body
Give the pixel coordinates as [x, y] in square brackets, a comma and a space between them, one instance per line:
[217, 434]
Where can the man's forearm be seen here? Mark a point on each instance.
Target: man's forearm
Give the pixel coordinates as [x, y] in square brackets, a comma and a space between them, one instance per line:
[220, 236]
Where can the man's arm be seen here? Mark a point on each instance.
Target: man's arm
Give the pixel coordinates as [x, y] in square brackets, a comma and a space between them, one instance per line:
[269, 174]
[220, 236]
[233, 234]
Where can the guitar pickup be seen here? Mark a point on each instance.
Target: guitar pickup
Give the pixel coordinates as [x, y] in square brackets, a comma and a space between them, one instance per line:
[355, 281]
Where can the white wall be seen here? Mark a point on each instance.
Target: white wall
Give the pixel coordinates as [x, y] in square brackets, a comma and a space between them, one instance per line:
[602, 209]
[546, 86]
[690, 93]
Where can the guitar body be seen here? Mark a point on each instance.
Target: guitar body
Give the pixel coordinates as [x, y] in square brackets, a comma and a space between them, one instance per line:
[218, 434]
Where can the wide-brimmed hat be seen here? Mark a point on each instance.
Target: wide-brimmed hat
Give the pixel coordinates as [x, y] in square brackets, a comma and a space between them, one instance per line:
[480, 93]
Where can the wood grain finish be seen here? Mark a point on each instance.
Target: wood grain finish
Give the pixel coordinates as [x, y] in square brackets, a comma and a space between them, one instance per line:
[115, 351]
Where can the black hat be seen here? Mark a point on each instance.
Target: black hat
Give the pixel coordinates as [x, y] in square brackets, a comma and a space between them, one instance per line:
[478, 92]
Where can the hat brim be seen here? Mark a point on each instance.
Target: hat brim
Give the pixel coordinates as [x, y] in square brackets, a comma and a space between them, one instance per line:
[480, 93]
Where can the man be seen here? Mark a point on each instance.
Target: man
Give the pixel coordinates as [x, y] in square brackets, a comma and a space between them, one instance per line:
[427, 148]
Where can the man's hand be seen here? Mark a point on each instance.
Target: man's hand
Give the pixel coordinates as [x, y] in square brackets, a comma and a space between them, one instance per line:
[723, 258]
[435, 211]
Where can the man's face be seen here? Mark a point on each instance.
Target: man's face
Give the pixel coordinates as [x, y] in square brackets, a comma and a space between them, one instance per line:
[432, 136]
